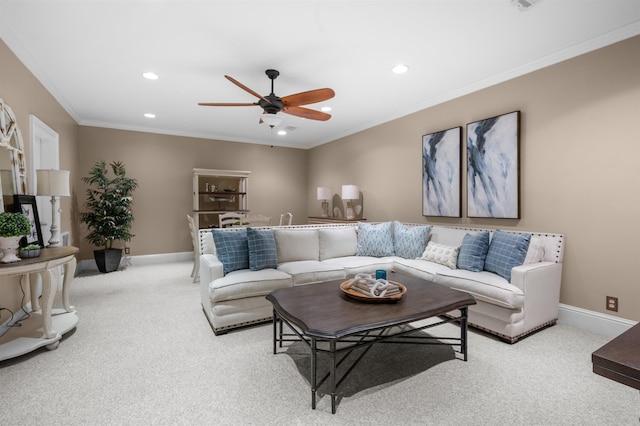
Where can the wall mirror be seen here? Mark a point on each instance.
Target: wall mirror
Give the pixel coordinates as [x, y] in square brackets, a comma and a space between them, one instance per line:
[13, 168]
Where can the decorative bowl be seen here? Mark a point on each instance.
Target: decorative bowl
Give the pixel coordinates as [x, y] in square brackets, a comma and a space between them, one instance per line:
[370, 299]
[25, 254]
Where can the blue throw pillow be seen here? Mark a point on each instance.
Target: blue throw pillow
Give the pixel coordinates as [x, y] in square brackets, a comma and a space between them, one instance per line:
[374, 239]
[232, 249]
[409, 241]
[506, 250]
[262, 249]
[473, 252]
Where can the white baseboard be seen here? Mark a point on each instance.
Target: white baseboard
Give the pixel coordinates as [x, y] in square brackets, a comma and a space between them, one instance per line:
[148, 259]
[604, 324]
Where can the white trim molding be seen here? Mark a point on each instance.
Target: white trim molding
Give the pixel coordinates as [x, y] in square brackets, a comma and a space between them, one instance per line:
[598, 323]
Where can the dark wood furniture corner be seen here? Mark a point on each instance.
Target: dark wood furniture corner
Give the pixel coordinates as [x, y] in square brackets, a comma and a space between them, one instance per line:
[619, 359]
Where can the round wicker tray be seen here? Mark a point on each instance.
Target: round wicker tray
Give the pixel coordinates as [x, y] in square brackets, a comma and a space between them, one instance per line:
[362, 297]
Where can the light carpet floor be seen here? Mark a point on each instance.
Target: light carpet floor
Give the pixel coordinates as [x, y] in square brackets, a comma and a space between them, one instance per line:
[143, 354]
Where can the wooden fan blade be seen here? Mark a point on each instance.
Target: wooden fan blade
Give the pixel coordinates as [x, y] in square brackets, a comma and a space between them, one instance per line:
[246, 89]
[310, 97]
[224, 104]
[307, 113]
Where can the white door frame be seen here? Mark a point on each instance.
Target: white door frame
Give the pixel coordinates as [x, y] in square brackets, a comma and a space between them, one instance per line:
[44, 153]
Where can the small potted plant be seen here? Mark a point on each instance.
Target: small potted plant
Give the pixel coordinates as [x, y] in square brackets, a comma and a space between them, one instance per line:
[13, 226]
[31, 250]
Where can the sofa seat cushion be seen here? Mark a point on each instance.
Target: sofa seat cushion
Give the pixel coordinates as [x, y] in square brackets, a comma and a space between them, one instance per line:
[311, 271]
[419, 268]
[246, 283]
[353, 265]
[485, 286]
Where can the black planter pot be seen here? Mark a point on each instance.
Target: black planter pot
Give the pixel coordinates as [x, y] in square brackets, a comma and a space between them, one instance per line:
[108, 260]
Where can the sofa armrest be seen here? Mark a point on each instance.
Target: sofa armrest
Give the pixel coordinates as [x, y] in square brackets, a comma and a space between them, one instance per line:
[210, 269]
[540, 283]
[537, 274]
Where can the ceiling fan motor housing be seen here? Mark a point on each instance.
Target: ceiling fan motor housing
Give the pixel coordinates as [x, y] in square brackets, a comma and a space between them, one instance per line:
[274, 105]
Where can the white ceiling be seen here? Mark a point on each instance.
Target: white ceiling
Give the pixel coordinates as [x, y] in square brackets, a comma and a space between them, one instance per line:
[90, 55]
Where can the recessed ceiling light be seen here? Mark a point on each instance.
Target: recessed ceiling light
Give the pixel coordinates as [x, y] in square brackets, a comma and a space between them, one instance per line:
[149, 115]
[282, 132]
[325, 109]
[400, 69]
[149, 75]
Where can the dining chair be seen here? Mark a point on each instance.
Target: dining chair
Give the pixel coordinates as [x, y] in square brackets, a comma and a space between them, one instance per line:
[230, 219]
[285, 219]
[195, 272]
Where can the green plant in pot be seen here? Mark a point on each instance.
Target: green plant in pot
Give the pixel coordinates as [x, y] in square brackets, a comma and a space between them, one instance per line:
[108, 216]
[13, 226]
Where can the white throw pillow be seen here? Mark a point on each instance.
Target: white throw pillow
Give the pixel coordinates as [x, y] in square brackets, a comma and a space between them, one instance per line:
[535, 253]
[442, 254]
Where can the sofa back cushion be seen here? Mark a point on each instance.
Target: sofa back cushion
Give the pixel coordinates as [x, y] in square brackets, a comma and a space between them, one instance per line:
[375, 239]
[410, 241]
[297, 244]
[337, 242]
[232, 249]
[506, 250]
[449, 236]
[262, 249]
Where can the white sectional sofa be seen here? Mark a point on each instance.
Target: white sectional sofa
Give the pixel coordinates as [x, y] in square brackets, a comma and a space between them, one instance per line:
[512, 302]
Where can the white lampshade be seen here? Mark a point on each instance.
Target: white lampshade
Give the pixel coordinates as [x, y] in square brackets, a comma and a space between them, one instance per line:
[53, 182]
[324, 193]
[350, 192]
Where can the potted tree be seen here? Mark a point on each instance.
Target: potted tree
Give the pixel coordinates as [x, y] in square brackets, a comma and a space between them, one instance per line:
[13, 226]
[108, 216]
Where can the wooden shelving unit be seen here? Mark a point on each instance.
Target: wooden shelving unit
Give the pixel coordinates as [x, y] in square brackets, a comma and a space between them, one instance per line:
[218, 191]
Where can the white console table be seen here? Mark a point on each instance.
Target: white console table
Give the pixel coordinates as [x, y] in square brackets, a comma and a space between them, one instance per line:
[46, 325]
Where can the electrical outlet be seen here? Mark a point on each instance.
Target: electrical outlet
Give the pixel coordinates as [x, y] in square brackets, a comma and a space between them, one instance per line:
[612, 303]
[127, 250]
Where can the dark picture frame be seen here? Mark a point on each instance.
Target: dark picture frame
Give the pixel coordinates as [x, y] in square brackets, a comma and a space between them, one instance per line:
[442, 173]
[493, 167]
[26, 204]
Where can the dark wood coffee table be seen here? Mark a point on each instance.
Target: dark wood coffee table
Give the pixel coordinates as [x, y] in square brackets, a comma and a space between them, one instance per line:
[619, 359]
[330, 322]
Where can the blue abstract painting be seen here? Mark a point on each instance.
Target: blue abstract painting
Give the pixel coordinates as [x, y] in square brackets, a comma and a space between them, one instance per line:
[493, 177]
[441, 176]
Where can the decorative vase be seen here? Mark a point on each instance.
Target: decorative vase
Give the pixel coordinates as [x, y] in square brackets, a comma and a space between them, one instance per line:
[9, 247]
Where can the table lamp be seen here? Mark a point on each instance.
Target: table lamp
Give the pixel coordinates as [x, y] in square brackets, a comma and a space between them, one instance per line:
[54, 183]
[350, 193]
[324, 194]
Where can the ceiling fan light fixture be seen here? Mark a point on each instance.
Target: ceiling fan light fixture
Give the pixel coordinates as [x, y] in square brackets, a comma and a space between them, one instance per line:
[150, 75]
[325, 109]
[271, 120]
[400, 69]
[282, 132]
[149, 115]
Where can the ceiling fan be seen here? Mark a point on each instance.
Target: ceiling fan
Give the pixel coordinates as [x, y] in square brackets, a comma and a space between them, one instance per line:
[292, 104]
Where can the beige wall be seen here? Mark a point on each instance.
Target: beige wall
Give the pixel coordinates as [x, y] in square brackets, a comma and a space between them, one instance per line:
[163, 166]
[580, 156]
[579, 168]
[25, 95]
